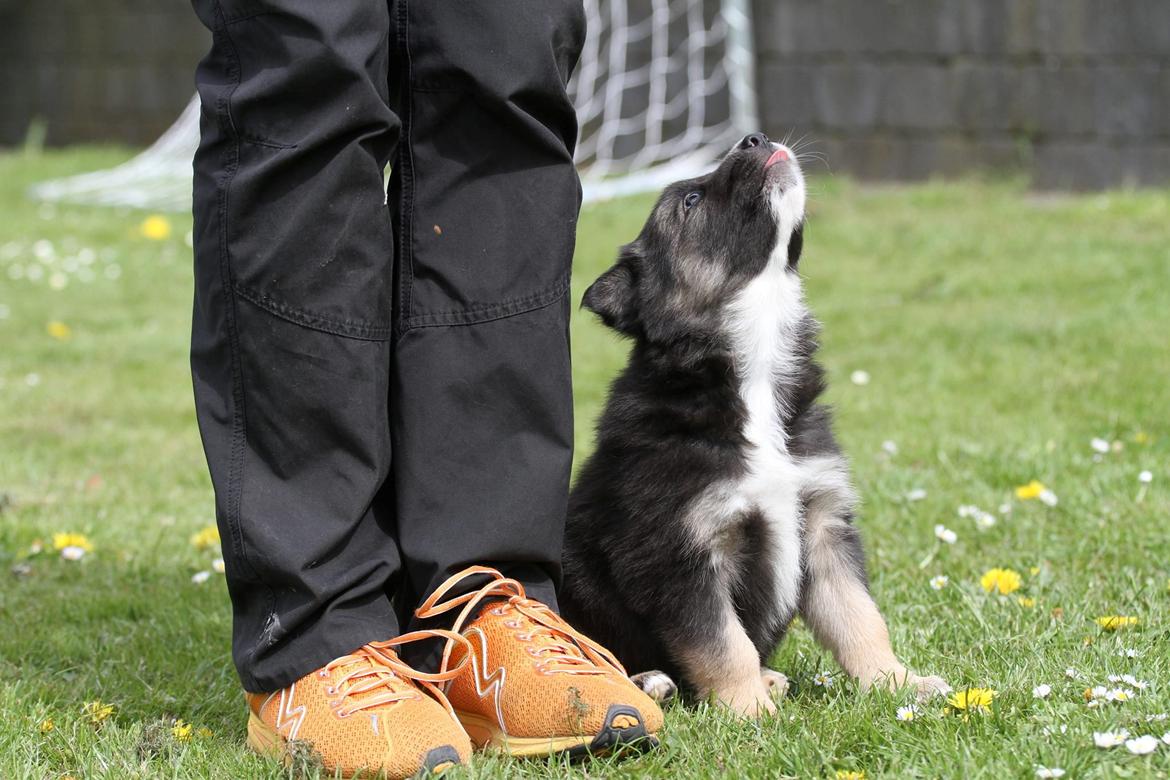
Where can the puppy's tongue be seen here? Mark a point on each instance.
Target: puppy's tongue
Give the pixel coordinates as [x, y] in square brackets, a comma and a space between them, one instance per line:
[780, 155]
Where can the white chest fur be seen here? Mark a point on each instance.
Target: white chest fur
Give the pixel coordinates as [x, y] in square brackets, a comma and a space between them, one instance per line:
[763, 322]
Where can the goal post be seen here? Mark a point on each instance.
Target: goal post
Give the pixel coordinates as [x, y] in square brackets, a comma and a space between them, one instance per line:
[663, 88]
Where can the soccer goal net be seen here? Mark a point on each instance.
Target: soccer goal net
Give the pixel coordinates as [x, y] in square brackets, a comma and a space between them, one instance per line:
[662, 89]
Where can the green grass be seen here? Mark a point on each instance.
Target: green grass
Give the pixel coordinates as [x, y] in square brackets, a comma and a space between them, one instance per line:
[1001, 330]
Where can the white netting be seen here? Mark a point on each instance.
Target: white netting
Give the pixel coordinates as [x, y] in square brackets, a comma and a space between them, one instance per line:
[663, 87]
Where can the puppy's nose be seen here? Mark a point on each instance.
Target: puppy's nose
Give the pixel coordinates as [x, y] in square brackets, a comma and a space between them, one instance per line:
[755, 139]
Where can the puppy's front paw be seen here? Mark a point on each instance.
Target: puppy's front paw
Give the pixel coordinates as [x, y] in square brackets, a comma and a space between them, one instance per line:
[928, 687]
[775, 682]
[749, 700]
[657, 685]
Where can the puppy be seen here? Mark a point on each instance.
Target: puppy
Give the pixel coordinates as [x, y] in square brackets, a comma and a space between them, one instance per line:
[717, 505]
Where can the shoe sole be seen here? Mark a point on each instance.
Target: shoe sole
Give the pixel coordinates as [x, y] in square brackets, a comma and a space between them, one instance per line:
[263, 740]
[623, 729]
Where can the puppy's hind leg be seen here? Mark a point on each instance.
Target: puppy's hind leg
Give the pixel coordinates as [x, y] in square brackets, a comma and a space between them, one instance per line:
[836, 603]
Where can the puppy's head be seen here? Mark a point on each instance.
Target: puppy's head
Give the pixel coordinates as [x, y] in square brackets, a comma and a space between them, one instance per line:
[706, 239]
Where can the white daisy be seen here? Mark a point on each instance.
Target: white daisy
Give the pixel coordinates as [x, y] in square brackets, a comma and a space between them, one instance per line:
[73, 553]
[1128, 652]
[859, 377]
[1119, 694]
[1166, 737]
[1142, 745]
[984, 520]
[967, 510]
[945, 535]
[907, 714]
[1134, 682]
[824, 680]
[1071, 673]
[917, 494]
[200, 577]
[939, 582]
[1041, 691]
[1099, 445]
[1048, 497]
[1108, 739]
[217, 566]
[1005, 509]
[890, 447]
[1146, 477]
[1049, 772]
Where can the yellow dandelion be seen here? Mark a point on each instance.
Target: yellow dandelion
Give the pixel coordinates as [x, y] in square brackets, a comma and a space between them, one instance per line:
[181, 730]
[850, 774]
[1026, 602]
[204, 733]
[47, 725]
[1114, 622]
[63, 540]
[59, 330]
[97, 711]
[1141, 437]
[1034, 570]
[155, 227]
[206, 537]
[1002, 581]
[1030, 491]
[972, 699]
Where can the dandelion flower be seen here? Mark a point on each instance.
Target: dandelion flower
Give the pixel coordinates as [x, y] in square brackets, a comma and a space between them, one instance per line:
[205, 537]
[200, 577]
[945, 535]
[97, 711]
[1002, 581]
[181, 730]
[1142, 745]
[939, 582]
[1146, 477]
[47, 725]
[1048, 772]
[1108, 739]
[972, 699]
[63, 540]
[155, 227]
[1030, 491]
[1115, 622]
[59, 330]
[859, 378]
[824, 680]
[1041, 691]
[907, 714]
[1026, 602]
[204, 733]
[850, 774]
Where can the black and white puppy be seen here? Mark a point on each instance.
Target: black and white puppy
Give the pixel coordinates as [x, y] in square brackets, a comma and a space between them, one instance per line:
[717, 505]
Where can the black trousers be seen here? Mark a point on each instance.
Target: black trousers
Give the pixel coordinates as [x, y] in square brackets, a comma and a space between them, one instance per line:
[381, 376]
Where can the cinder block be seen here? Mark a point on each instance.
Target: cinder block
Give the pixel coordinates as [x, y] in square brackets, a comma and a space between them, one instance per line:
[1066, 101]
[785, 91]
[1069, 165]
[994, 96]
[1129, 99]
[848, 96]
[918, 97]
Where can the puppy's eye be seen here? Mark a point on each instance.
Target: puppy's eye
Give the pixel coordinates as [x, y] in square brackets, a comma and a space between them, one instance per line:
[691, 199]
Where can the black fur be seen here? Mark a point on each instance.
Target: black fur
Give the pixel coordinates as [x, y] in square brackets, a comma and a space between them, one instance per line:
[673, 426]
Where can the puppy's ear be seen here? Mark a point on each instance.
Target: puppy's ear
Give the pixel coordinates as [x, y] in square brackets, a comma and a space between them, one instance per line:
[795, 245]
[614, 296]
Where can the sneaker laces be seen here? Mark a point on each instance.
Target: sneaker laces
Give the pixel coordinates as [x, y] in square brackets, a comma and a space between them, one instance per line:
[374, 676]
[562, 648]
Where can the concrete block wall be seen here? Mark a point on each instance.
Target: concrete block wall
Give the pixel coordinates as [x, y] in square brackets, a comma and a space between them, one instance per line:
[1076, 92]
[96, 70]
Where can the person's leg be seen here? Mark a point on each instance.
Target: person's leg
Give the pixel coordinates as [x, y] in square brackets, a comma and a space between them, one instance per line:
[293, 311]
[486, 195]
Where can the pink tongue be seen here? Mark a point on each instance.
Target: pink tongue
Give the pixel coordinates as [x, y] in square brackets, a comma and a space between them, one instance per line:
[779, 155]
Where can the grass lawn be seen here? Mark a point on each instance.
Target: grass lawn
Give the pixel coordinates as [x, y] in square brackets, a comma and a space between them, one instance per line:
[1001, 332]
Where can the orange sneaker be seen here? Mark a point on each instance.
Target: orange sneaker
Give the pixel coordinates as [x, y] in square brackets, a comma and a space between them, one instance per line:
[364, 712]
[534, 685]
